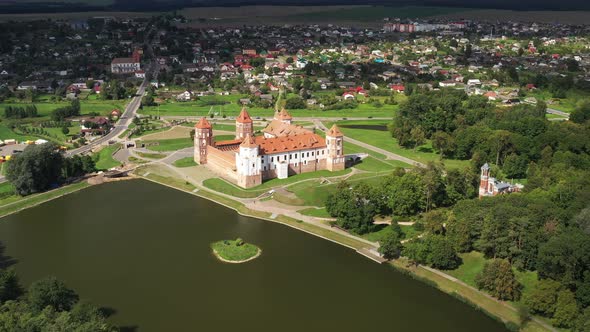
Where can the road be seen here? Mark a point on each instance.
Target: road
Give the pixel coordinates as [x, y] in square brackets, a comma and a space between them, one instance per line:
[557, 112]
[130, 111]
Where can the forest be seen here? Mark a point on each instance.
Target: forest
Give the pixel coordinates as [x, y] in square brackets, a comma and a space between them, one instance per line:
[544, 229]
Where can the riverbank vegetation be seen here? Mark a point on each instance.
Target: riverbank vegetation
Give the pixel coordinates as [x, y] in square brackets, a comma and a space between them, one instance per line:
[47, 305]
[42, 167]
[515, 247]
[235, 251]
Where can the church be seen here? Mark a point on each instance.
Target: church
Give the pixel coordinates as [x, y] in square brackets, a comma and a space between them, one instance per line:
[283, 149]
[489, 186]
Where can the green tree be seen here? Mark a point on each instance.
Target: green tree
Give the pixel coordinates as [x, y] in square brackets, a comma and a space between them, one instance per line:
[441, 253]
[566, 309]
[10, 288]
[65, 130]
[498, 279]
[36, 169]
[390, 246]
[51, 292]
[443, 142]
[418, 136]
[295, 102]
[542, 298]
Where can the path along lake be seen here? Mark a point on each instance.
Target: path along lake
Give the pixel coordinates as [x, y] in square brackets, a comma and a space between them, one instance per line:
[143, 250]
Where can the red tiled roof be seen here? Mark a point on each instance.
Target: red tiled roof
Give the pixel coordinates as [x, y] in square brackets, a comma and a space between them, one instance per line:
[334, 131]
[248, 142]
[244, 117]
[203, 124]
[289, 143]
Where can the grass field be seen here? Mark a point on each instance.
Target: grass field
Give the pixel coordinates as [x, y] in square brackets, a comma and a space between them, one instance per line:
[235, 250]
[383, 140]
[473, 263]
[151, 155]
[372, 13]
[320, 213]
[104, 158]
[185, 162]
[16, 203]
[196, 108]
[169, 144]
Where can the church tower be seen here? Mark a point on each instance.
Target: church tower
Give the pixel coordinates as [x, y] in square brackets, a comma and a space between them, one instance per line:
[484, 180]
[248, 164]
[335, 144]
[244, 125]
[203, 138]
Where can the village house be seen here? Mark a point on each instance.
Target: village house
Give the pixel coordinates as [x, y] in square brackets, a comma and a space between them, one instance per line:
[489, 186]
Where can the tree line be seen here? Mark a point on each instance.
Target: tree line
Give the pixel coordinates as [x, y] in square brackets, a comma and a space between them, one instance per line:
[544, 229]
[15, 112]
[42, 167]
[47, 305]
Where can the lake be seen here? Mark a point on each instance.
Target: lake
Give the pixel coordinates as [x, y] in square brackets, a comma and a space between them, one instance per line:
[143, 250]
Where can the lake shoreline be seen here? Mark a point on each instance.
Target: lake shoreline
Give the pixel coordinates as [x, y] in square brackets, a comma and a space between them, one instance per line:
[474, 298]
[501, 311]
[218, 256]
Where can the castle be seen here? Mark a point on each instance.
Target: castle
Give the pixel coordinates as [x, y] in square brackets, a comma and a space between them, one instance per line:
[489, 186]
[284, 149]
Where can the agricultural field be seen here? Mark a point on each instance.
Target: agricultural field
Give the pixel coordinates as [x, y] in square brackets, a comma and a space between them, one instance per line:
[45, 107]
[208, 105]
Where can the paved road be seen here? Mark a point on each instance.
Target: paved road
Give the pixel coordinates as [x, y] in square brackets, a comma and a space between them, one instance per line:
[130, 111]
[557, 112]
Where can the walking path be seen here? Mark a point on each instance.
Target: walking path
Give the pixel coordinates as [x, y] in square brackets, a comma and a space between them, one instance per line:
[387, 154]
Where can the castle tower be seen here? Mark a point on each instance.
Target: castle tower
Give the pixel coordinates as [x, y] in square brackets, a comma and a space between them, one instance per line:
[203, 138]
[244, 125]
[335, 144]
[283, 116]
[484, 180]
[248, 164]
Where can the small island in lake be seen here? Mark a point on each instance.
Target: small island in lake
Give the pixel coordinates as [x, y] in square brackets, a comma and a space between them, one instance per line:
[235, 251]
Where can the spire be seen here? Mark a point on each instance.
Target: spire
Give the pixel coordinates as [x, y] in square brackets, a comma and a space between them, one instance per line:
[334, 131]
[203, 124]
[284, 115]
[249, 142]
[485, 167]
[244, 117]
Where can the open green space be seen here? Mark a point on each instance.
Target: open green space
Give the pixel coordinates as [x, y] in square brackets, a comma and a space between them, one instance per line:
[201, 108]
[382, 139]
[473, 263]
[14, 203]
[104, 158]
[235, 250]
[185, 162]
[313, 212]
[384, 230]
[221, 185]
[151, 155]
[172, 144]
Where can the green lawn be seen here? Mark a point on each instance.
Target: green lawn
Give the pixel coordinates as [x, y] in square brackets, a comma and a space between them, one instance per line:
[173, 144]
[235, 250]
[15, 203]
[201, 108]
[320, 213]
[104, 158]
[383, 230]
[151, 155]
[473, 263]
[383, 140]
[185, 162]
